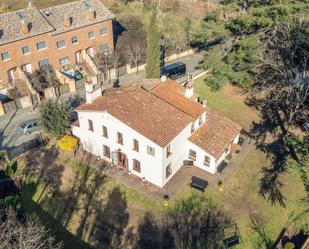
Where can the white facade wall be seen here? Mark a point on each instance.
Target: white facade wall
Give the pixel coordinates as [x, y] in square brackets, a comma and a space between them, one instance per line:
[200, 156]
[225, 153]
[151, 166]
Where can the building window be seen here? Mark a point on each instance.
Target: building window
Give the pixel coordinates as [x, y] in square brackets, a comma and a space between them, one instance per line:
[150, 150]
[41, 45]
[192, 127]
[5, 56]
[0, 78]
[104, 47]
[135, 145]
[119, 138]
[136, 166]
[74, 40]
[200, 121]
[104, 129]
[26, 50]
[64, 60]
[192, 155]
[207, 161]
[61, 44]
[43, 63]
[90, 125]
[91, 35]
[168, 171]
[106, 151]
[103, 31]
[168, 151]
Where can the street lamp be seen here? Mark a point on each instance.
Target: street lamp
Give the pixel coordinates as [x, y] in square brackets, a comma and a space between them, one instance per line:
[162, 55]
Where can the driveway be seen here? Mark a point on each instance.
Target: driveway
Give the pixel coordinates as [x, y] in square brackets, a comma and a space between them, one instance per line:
[11, 138]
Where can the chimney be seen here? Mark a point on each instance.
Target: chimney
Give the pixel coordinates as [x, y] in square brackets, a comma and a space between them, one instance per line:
[93, 91]
[67, 22]
[189, 87]
[204, 103]
[24, 27]
[30, 5]
[91, 15]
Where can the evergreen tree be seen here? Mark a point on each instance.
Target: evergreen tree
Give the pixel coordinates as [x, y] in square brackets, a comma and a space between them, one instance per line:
[55, 117]
[153, 48]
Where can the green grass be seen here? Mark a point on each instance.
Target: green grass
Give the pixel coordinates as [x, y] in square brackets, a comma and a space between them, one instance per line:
[84, 196]
[230, 105]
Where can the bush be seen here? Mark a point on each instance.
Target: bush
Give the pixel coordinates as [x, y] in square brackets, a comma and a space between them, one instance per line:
[13, 202]
[289, 245]
[9, 170]
[68, 142]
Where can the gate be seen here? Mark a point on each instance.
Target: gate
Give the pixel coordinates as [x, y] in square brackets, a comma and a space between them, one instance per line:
[64, 88]
[10, 106]
[80, 86]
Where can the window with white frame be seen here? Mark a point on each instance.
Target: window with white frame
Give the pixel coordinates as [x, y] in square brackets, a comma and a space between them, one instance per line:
[192, 155]
[64, 60]
[168, 171]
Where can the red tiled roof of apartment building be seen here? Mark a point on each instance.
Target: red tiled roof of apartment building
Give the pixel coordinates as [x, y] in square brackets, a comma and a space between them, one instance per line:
[139, 109]
[171, 92]
[216, 134]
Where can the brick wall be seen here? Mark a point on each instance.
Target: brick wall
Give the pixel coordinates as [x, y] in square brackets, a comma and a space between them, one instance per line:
[17, 59]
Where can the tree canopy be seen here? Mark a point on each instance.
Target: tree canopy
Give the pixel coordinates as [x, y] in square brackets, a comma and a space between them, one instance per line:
[153, 48]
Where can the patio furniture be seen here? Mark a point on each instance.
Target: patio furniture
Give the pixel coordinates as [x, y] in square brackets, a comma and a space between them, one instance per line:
[198, 183]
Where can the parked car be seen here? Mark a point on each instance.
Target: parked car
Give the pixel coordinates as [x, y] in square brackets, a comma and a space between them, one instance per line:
[175, 70]
[30, 126]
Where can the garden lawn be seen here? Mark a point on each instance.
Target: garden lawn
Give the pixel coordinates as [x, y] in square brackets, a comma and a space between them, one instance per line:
[82, 197]
[230, 101]
[259, 222]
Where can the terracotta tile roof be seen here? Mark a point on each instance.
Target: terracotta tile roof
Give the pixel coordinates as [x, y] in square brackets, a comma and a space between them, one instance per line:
[152, 117]
[10, 25]
[171, 92]
[216, 134]
[77, 11]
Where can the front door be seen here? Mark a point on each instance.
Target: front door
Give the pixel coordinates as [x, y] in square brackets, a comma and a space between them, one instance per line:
[11, 74]
[121, 160]
[27, 68]
[78, 57]
[90, 52]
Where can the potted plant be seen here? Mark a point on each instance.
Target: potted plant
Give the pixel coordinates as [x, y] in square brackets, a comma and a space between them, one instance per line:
[220, 186]
[289, 245]
[165, 200]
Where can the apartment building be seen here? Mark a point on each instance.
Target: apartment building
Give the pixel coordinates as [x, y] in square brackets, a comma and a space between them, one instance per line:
[153, 128]
[59, 35]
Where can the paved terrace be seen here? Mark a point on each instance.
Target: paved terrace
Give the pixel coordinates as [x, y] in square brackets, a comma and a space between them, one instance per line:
[178, 181]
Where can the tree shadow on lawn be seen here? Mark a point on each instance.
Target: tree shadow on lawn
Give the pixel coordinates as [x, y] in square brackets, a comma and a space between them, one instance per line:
[111, 221]
[190, 224]
[258, 226]
[61, 234]
[270, 140]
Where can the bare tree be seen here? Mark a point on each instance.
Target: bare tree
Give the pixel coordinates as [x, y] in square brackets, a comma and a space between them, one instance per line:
[43, 78]
[24, 233]
[132, 43]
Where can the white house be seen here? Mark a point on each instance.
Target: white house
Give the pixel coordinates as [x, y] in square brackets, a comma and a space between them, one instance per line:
[151, 128]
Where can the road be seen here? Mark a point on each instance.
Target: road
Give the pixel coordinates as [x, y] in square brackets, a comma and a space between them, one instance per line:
[12, 139]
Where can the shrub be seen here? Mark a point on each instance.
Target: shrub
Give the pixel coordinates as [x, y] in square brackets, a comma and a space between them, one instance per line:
[9, 171]
[68, 142]
[13, 202]
[289, 245]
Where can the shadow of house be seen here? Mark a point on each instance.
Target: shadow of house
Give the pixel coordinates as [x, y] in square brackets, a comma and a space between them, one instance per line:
[118, 29]
[111, 221]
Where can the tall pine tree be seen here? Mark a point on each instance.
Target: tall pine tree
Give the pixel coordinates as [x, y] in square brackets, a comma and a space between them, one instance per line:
[153, 48]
